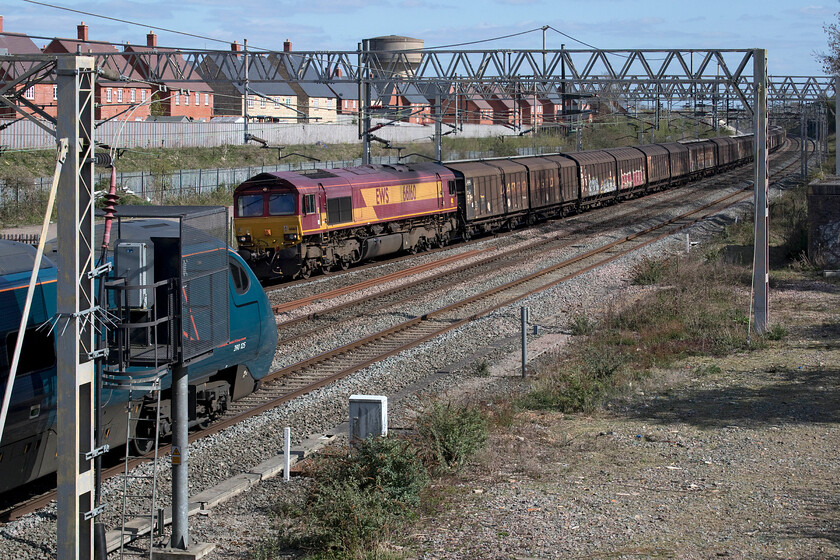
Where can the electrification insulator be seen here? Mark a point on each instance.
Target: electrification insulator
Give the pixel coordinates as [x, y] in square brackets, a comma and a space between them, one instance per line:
[111, 200]
[103, 159]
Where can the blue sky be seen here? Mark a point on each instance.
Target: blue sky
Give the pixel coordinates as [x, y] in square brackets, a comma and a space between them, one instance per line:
[791, 31]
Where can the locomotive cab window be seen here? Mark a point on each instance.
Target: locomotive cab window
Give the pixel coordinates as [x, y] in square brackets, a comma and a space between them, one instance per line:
[309, 204]
[451, 188]
[241, 282]
[249, 205]
[281, 204]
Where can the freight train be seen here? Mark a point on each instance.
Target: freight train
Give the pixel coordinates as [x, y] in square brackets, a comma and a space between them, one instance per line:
[291, 224]
[227, 372]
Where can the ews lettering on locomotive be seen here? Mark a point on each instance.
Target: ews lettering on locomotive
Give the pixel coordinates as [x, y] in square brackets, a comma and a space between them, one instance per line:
[382, 195]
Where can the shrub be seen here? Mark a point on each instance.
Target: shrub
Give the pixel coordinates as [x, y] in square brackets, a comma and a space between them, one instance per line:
[776, 332]
[356, 497]
[451, 434]
[581, 324]
[649, 271]
[481, 369]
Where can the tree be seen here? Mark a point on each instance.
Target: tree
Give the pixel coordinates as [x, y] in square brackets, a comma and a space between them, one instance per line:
[831, 60]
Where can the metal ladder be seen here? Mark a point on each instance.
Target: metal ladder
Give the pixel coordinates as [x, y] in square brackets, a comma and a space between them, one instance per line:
[135, 488]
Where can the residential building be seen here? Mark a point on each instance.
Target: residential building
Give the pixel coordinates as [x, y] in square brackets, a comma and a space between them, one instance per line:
[171, 95]
[268, 99]
[316, 102]
[120, 100]
[43, 94]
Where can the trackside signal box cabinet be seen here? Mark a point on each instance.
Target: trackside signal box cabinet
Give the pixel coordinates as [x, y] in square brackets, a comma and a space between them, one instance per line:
[368, 417]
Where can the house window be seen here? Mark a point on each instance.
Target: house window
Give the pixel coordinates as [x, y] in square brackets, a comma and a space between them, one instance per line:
[30, 92]
[250, 101]
[288, 101]
[177, 99]
[315, 103]
[262, 102]
[197, 99]
[143, 95]
[207, 99]
[119, 95]
[186, 99]
[55, 92]
[276, 102]
[133, 94]
[108, 95]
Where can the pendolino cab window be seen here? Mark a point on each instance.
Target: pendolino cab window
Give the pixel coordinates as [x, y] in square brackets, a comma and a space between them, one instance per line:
[282, 204]
[249, 206]
[241, 282]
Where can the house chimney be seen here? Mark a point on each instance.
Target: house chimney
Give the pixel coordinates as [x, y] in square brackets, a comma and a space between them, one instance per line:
[151, 39]
[82, 32]
[287, 46]
[1, 24]
[338, 73]
[235, 47]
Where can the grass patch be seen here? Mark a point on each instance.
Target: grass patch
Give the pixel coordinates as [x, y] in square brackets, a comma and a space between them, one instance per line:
[696, 312]
[649, 271]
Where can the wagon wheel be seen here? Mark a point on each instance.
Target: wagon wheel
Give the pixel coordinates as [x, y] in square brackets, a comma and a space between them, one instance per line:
[343, 264]
[143, 444]
[305, 271]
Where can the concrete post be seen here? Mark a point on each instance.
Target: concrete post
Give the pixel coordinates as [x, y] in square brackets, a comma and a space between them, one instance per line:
[74, 367]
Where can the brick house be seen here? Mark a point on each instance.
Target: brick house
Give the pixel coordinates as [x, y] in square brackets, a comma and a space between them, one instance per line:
[463, 105]
[42, 94]
[316, 102]
[114, 100]
[347, 98]
[173, 96]
[268, 99]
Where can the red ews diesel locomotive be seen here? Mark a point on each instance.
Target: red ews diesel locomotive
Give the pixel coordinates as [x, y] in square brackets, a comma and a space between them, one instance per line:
[327, 219]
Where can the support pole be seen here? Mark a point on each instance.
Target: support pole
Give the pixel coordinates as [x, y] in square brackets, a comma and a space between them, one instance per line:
[74, 367]
[803, 145]
[761, 287]
[364, 99]
[180, 458]
[438, 132]
[247, 93]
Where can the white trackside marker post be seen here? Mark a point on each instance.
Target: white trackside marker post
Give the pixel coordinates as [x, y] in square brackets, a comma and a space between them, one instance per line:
[287, 452]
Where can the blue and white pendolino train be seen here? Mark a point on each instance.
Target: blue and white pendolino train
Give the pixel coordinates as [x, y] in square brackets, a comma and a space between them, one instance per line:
[28, 446]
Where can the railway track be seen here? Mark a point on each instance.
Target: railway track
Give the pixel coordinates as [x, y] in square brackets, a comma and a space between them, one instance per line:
[298, 379]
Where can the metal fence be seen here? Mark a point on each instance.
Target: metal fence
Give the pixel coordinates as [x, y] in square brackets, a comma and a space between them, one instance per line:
[25, 134]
